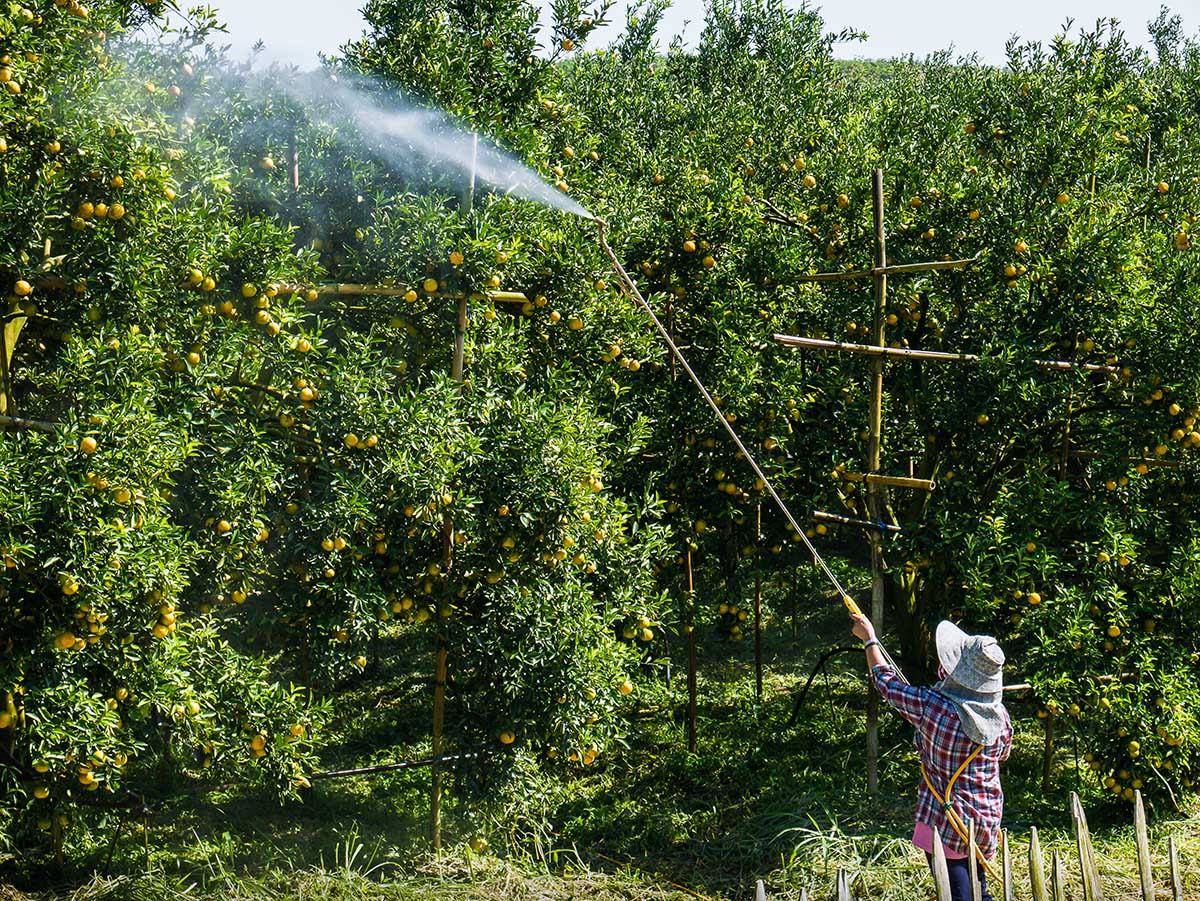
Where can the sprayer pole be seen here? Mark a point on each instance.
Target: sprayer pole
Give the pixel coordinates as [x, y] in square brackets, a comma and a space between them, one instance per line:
[874, 491]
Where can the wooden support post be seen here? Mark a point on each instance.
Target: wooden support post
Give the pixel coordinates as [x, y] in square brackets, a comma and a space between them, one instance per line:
[439, 713]
[1173, 864]
[1145, 873]
[758, 657]
[843, 885]
[941, 873]
[1037, 867]
[1087, 858]
[1058, 879]
[691, 667]
[1047, 753]
[874, 492]
[1066, 445]
[6, 404]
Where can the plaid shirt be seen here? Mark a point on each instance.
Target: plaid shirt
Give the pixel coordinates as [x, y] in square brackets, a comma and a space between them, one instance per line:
[943, 747]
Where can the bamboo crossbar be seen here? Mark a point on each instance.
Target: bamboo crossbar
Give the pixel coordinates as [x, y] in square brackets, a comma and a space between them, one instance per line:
[390, 767]
[1148, 461]
[874, 478]
[345, 289]
[27, 425]
[899, 269]
[822, 516]
[908, 353]
[873, 350]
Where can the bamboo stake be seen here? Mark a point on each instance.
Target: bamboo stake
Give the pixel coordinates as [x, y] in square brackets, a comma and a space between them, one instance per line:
[973, 863]
[941, 873]
[760, 891]
[1037, 867]
[691, 646]
[1173, 862]
[758, 656]
[1058, 887]
[822, 516]
[1145, 874]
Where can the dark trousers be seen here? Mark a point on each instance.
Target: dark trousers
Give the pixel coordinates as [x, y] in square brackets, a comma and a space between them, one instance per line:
[960, 878]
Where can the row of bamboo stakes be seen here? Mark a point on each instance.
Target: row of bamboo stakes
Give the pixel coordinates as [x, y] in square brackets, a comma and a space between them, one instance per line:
[1056, 887]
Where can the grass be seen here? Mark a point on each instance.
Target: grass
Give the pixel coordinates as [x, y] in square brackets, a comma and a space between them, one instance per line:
[759, 800]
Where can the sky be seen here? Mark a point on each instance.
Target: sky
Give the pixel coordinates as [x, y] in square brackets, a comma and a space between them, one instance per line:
[295, 31]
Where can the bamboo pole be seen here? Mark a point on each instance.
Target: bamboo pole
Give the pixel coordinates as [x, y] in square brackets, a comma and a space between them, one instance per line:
[874, 350]
[1058, 879]
[348, 289]
[758, 655]
[27, 425]
[899, 269]
[822, 516]
[1148, 461]
[760, 891]
[294, 159]
[874, 478]
[440, 667]
[1037, 867]
[1145, 873]
[909, 353]
[691, 648]
[874, 494]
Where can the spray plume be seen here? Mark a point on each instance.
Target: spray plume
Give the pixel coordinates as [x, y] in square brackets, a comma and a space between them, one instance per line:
[406, 136]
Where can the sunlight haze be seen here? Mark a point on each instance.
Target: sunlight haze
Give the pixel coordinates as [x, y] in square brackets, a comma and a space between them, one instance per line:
[296, 31]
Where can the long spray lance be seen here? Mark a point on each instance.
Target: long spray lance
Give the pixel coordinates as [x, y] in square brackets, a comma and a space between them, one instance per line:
[632, 291]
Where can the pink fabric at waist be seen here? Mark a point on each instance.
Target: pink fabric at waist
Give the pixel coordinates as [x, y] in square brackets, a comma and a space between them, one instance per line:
[923, 838]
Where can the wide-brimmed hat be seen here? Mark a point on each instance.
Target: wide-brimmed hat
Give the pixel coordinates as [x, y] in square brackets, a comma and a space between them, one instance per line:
[974, 682]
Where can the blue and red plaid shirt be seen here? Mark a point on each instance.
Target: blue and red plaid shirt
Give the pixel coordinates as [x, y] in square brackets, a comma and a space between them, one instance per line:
[943, 747]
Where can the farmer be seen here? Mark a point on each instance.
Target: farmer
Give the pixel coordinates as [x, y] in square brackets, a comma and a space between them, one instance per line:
[963, 735]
